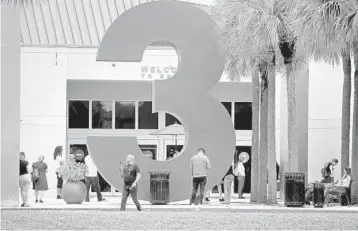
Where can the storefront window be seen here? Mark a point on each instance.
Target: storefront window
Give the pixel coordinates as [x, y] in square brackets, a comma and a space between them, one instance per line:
[78, 114]
[125, 115]
[102, 114]
[149, 151]
[147, 120]
[169, 120]
[227, 105]
[243, 116]
[173, 151]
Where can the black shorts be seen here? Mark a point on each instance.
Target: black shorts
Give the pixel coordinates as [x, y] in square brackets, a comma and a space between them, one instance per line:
[59, 182]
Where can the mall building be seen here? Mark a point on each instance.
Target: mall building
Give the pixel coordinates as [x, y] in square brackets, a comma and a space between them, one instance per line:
[59, 42]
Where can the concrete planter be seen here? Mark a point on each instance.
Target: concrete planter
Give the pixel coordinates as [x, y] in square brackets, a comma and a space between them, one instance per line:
[74, 192]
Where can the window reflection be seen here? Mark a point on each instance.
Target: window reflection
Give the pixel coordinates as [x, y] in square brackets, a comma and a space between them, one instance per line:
[227, 105]
[169, 120]
[149, 151]
[102, 114]
[78, 114]
[243, 116]
[125, 115]
[147, 120]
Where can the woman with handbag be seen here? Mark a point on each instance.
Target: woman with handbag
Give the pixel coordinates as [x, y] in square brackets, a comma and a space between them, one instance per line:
[40, 185]
[57, 155]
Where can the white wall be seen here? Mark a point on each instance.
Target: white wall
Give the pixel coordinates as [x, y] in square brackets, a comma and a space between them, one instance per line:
[43, 95]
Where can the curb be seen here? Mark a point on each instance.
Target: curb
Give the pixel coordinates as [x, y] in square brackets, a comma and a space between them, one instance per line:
[201, 209]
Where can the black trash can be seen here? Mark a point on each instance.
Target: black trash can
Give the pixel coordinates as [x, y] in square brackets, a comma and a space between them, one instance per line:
[318, 195]
[294, 189]
[159, 187]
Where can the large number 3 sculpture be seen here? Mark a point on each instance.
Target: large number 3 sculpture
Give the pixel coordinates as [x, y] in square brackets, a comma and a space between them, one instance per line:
[186, 95]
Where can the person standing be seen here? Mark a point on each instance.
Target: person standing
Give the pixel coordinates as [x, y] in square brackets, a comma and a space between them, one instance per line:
[91, 179]
[199, 164]
[41, 184]
[131, 176]
[24, 180]
[240, 172]
[57, 155]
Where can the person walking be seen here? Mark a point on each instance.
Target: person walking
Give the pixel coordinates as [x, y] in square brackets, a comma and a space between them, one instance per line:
[24, 179]
[199, 164]
[41, 184]
[91, 179]
[131, 175]
[228, 180]
[57, 155]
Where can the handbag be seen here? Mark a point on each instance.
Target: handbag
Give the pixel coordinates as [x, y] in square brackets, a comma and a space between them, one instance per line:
[35, 175]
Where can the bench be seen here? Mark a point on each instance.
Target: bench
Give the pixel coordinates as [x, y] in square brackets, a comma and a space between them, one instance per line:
[339, 196]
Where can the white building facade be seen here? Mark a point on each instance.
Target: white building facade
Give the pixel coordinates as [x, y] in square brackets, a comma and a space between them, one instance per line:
[61, 44]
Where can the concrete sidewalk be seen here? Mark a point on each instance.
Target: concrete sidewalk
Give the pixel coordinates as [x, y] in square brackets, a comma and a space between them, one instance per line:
[237, 205]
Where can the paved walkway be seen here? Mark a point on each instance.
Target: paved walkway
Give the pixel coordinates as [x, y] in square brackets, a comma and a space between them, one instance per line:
[113, 203]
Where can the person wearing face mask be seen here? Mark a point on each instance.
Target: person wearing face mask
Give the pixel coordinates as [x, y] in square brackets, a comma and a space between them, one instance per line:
[41, 184]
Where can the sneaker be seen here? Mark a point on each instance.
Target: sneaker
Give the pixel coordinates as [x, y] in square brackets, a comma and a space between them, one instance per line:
[221, 200]
[41, 201]
[36, 201]
[23, 204]
[58, 197]
[102, 199]
[207, 199]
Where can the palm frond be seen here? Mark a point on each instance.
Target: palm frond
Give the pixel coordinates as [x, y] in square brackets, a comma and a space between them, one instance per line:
[320, 26]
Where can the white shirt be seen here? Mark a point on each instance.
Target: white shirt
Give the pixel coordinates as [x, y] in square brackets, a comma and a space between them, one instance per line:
[92, 169]
[59, 161]
[345, 182]
[240, 170]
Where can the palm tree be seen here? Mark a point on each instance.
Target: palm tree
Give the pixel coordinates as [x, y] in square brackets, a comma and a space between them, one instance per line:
[245, 35]
[319, 25]
[329, 29]
[251, 29]
[236, 68]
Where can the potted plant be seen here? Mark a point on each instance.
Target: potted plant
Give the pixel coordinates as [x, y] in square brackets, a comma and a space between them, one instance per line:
[74, 191]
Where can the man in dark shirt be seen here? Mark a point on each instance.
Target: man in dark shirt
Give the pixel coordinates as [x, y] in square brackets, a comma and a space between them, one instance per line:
[131, 175]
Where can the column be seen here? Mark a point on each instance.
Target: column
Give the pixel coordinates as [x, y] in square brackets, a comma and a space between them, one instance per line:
[9, 104]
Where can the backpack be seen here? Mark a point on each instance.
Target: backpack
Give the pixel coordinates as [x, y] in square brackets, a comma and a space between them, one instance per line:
[35, 175]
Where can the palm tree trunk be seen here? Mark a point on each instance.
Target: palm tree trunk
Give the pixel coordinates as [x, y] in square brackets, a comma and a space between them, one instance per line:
[255, 136]
[263, 153]
[271, 127]
[346, 110]
[287, 49]
[354, 190]
[292, 119]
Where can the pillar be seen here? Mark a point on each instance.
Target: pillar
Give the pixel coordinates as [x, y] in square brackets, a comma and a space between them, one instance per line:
[9, 104]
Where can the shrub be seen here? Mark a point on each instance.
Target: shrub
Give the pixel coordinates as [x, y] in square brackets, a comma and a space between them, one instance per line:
[72, 171]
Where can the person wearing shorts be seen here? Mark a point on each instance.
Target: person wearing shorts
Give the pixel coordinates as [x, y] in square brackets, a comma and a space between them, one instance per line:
[24, 179]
